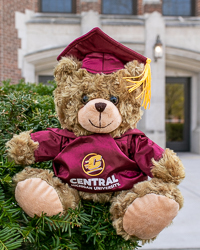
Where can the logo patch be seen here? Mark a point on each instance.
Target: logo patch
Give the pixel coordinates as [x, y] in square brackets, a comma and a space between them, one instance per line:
[93, 164]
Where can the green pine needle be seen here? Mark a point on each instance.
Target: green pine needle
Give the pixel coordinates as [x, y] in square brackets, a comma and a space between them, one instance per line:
[9, 239]
[29, 106]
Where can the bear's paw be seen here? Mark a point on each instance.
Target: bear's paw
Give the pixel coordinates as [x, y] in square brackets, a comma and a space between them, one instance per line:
[147, 216]
[36, 196]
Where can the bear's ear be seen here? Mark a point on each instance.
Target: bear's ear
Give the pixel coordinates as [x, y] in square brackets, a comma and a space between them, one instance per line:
[66, 66]
[134, 68]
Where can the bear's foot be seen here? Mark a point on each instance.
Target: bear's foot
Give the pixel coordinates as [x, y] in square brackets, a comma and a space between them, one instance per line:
[147, 216]
[36, 196]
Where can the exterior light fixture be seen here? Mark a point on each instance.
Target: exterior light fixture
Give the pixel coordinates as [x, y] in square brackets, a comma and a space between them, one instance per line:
[158, 49]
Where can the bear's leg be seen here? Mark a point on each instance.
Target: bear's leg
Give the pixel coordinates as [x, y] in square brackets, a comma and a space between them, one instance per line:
[146, 210]
[37, 192]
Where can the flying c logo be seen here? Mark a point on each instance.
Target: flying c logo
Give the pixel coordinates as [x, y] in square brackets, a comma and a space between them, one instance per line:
[93, 164]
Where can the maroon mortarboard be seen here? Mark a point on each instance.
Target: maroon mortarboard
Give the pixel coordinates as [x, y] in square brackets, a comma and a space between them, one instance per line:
[100, 53]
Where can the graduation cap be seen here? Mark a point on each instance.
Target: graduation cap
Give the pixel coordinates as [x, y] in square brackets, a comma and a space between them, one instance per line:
[100, 53]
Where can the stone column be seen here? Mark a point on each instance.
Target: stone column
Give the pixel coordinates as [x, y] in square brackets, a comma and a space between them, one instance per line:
[27, 69]
[154, 118]
[89, 20]
[195, 143]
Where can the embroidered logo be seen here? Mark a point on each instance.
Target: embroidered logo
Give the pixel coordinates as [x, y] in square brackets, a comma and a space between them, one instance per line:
[93, 164]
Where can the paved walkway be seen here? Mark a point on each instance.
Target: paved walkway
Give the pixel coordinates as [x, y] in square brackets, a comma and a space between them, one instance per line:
[185, 231]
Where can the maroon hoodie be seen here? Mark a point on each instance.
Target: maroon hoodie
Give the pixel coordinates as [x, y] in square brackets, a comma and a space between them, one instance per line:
[97, 163]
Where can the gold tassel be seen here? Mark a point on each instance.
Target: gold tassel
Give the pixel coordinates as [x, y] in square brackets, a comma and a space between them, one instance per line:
[146, 81]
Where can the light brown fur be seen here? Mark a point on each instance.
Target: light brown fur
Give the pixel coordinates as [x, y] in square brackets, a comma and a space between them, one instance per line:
[169, 168]
[69, 197]
[162, 185]
[102, 198]
[21, 149]
[122, 201]
[72, 83]
[79, 82]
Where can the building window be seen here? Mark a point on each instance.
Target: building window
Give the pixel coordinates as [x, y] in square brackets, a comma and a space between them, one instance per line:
[121, 7]
[58, 6]
[178, 7]
[45, 79]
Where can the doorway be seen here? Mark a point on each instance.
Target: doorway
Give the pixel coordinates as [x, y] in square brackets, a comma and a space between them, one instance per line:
[177, 113]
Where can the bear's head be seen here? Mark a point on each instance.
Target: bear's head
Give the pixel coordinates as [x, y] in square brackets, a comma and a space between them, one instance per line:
[92, 91]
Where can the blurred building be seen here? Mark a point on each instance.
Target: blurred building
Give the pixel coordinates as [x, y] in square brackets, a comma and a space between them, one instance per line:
[34, 32]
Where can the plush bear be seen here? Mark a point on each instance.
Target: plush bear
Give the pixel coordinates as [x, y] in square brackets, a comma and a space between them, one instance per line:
[99, 154]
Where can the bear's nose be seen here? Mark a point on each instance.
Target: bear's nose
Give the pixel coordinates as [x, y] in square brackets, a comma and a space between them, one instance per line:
[100, 106]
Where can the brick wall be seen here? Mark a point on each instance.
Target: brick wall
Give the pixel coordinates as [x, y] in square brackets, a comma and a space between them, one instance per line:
[140, 9]
[9, 42]
[197, 12]
[78, 6]
[149, 8]
[95, 5]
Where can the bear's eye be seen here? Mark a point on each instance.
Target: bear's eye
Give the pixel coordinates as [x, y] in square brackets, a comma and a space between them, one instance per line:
[114, 99]
[85, 99]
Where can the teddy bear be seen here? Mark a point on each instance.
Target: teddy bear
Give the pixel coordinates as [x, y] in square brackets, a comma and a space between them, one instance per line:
[99, 154]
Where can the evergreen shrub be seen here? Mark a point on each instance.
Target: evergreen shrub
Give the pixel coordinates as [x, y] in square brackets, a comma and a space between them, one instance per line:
[29, 106]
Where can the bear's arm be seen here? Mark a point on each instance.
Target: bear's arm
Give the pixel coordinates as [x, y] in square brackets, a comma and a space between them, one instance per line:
[28, 148]
[50, 145]
[157, 162]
